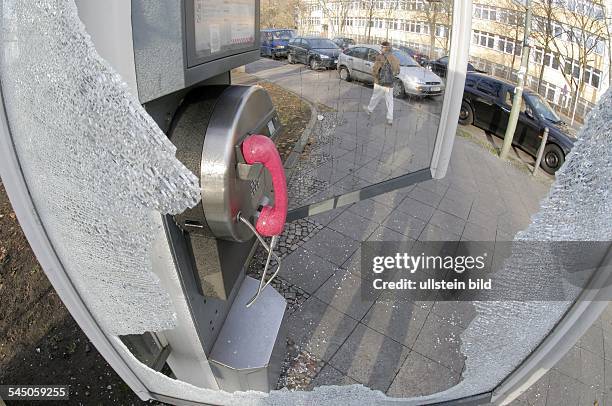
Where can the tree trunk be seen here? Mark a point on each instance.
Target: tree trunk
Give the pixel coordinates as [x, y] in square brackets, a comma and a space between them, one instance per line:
[540, 76]
[432, 42]
[516, 38]
[432, 37]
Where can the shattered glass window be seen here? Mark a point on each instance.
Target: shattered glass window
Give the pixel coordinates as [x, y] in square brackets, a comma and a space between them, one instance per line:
[98, 168]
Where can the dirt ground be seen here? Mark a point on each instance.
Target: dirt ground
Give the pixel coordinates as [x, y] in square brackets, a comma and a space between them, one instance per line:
[294, 114]
[40, 343]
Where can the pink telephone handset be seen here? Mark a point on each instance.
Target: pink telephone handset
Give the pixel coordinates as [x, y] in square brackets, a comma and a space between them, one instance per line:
[259, 148]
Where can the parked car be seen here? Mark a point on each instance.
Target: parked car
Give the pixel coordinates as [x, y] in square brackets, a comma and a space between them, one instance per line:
[315, 52]
[421, 58]
[357, 61]
[440, 66]
[343, 42]
[487, 102]
[274, 41]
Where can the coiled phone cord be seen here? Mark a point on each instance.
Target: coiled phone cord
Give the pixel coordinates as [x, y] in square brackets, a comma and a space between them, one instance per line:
[270, 249]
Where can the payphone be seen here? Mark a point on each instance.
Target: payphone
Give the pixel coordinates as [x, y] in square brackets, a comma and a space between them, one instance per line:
[177, 57]
[210, 130]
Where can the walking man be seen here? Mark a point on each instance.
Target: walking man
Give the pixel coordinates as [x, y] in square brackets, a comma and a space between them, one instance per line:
[386, 67]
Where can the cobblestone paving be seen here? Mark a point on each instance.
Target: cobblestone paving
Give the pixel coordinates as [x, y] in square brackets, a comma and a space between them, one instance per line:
[305, 182]
[295, 235]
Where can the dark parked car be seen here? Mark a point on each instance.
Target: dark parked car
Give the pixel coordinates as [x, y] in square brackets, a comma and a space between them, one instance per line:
[274, 41]
[343, 42]
[440, 66]
[487, 102]
[421, 58]
[313, 51]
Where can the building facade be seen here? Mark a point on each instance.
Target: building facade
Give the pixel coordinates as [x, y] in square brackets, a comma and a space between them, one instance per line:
[570, 48]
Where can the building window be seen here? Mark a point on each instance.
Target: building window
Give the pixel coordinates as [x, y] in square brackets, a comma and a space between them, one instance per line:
[485, 12]
[572, 68]
[592, 76]
[556, 30]
[537, 54]
[418, 27]
[484, 39]
[511, 17]
[441, 31]
[509, 46]
[415, 5]
[586, 7]
[549, 92]
[551, 59]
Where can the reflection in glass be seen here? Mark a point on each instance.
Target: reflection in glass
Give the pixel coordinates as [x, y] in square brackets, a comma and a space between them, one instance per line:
[345, 148]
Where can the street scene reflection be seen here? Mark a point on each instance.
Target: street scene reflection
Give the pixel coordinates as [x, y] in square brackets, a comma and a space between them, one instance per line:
[370, 103]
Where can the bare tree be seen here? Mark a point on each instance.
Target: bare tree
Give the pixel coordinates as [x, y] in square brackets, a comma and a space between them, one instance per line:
[607, 9]
[447, 14]
[282, 13]
[434, 13]
[369, 6]
[336, 12]
[513, 17]
[304, 10]
[584, 37]
[546, 31]
[391, 7]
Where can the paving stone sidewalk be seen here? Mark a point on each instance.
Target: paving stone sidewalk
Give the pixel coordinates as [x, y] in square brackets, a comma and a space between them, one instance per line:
[401, 347]
[404, 348]
[409, 349]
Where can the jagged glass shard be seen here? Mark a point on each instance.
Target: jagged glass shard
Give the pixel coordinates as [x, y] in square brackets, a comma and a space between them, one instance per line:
[97, 166]
[503, 334]
[577, 208]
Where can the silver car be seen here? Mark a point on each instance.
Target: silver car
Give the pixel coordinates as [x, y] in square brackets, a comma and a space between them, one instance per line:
[356, 62]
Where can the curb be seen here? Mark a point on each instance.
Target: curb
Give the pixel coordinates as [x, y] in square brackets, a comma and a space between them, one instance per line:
[299, 145]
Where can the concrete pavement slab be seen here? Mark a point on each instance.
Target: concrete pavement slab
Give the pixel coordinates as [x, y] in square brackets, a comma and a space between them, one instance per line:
[402, 223]
[402, 321]
[474, 232]
[593, 341]
[459, 208]
[440, 341]
[332, 245]
[448, 222]
[425, 196]
[435, 233]
[369, 357]
[592, 371]
[383, 233]
[563, 390]
[417, 209]
[319, 328]
[348, 293]
[306, 270]
[421, 376]
[371, 209]
[331, 376]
